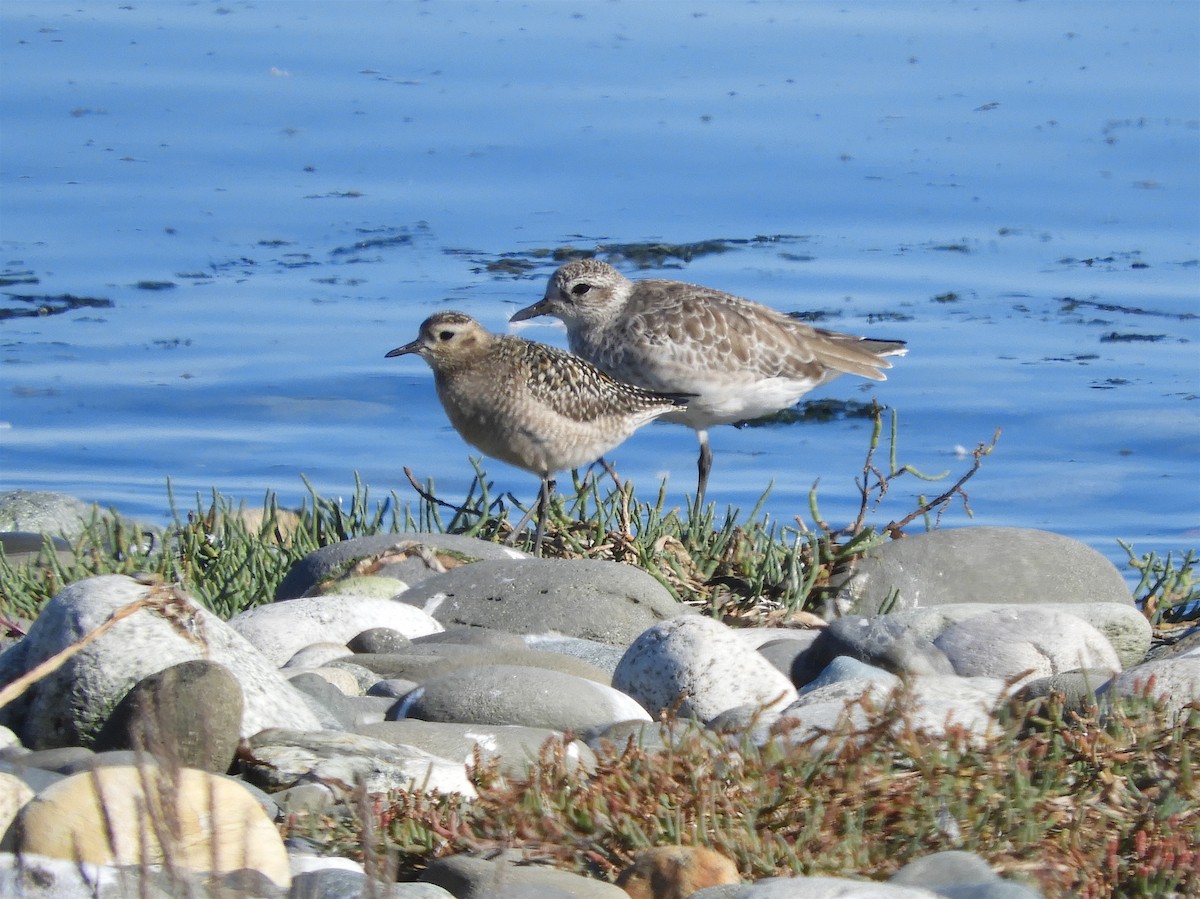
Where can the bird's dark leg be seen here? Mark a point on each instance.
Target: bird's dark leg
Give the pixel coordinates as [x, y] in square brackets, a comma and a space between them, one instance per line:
[703, 466]
[543, 509]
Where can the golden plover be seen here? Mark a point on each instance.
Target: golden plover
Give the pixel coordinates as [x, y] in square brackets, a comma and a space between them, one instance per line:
[534, 406]
[737, 358]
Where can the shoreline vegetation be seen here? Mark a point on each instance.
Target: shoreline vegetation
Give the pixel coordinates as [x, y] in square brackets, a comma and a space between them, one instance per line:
[746, 569]
[1075, 801]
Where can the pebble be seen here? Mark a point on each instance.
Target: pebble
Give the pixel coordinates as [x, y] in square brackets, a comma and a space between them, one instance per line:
[489, 659]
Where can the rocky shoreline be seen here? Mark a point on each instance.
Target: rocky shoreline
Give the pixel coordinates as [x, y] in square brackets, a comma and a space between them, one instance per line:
[395, 661]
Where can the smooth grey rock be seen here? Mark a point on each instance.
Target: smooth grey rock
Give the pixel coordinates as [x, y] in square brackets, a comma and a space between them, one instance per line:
[68, 706]
[429, 661]
[37, 778]
[464, 635]
[757, 637]
[190, 714]
[378, 639]
[1026, 642]
[944, 869]
[600, 655]
[280, 758]
[471, 877]
[753, 721]
[345, 713]
[1078, 688]
[61, 760]
[514, 748]
[938, 700]
[881, 641]
[701, 667]
[603, 601]
[335, 883]
[112, 758]
[976, 564]
[1174, 680]
[960, 875]
[782, 654]
[844, 668]
[26, 547]
[331, 561]
[652, 735]
[511, 694]
[339, 678]
[314, 655]
[280, 629]
[814, 888]
[1125, 627]
[372, 709]
[724, 891]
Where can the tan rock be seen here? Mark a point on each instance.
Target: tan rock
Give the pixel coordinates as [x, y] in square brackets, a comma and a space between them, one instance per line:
[14, 794]
[674, 872]
[189, 819]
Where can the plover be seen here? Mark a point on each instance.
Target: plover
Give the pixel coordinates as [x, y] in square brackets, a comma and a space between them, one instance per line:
[533, 406]
[739, 359]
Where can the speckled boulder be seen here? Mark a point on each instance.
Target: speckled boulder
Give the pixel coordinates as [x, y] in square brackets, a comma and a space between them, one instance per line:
[68, 706]
[703, 666]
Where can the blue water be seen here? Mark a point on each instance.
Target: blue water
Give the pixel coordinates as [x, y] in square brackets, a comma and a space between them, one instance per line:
[315, 178]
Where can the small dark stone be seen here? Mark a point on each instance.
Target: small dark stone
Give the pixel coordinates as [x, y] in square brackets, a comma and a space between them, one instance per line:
[379, 639]
[190, 714]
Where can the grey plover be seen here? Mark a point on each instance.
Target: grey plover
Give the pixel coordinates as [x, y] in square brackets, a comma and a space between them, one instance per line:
[741, 360]
[533, 406]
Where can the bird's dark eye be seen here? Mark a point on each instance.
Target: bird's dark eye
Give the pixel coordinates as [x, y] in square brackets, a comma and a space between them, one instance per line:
[580, 289]
[445, 335]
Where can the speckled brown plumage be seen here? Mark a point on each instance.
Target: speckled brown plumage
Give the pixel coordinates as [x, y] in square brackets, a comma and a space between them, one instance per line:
[531, 405]
[738, 359]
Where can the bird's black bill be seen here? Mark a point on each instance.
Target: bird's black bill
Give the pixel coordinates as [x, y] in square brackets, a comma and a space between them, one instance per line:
[538, 308]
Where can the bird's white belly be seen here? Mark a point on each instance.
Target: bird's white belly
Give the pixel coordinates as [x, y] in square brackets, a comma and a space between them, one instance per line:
[737, 400]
